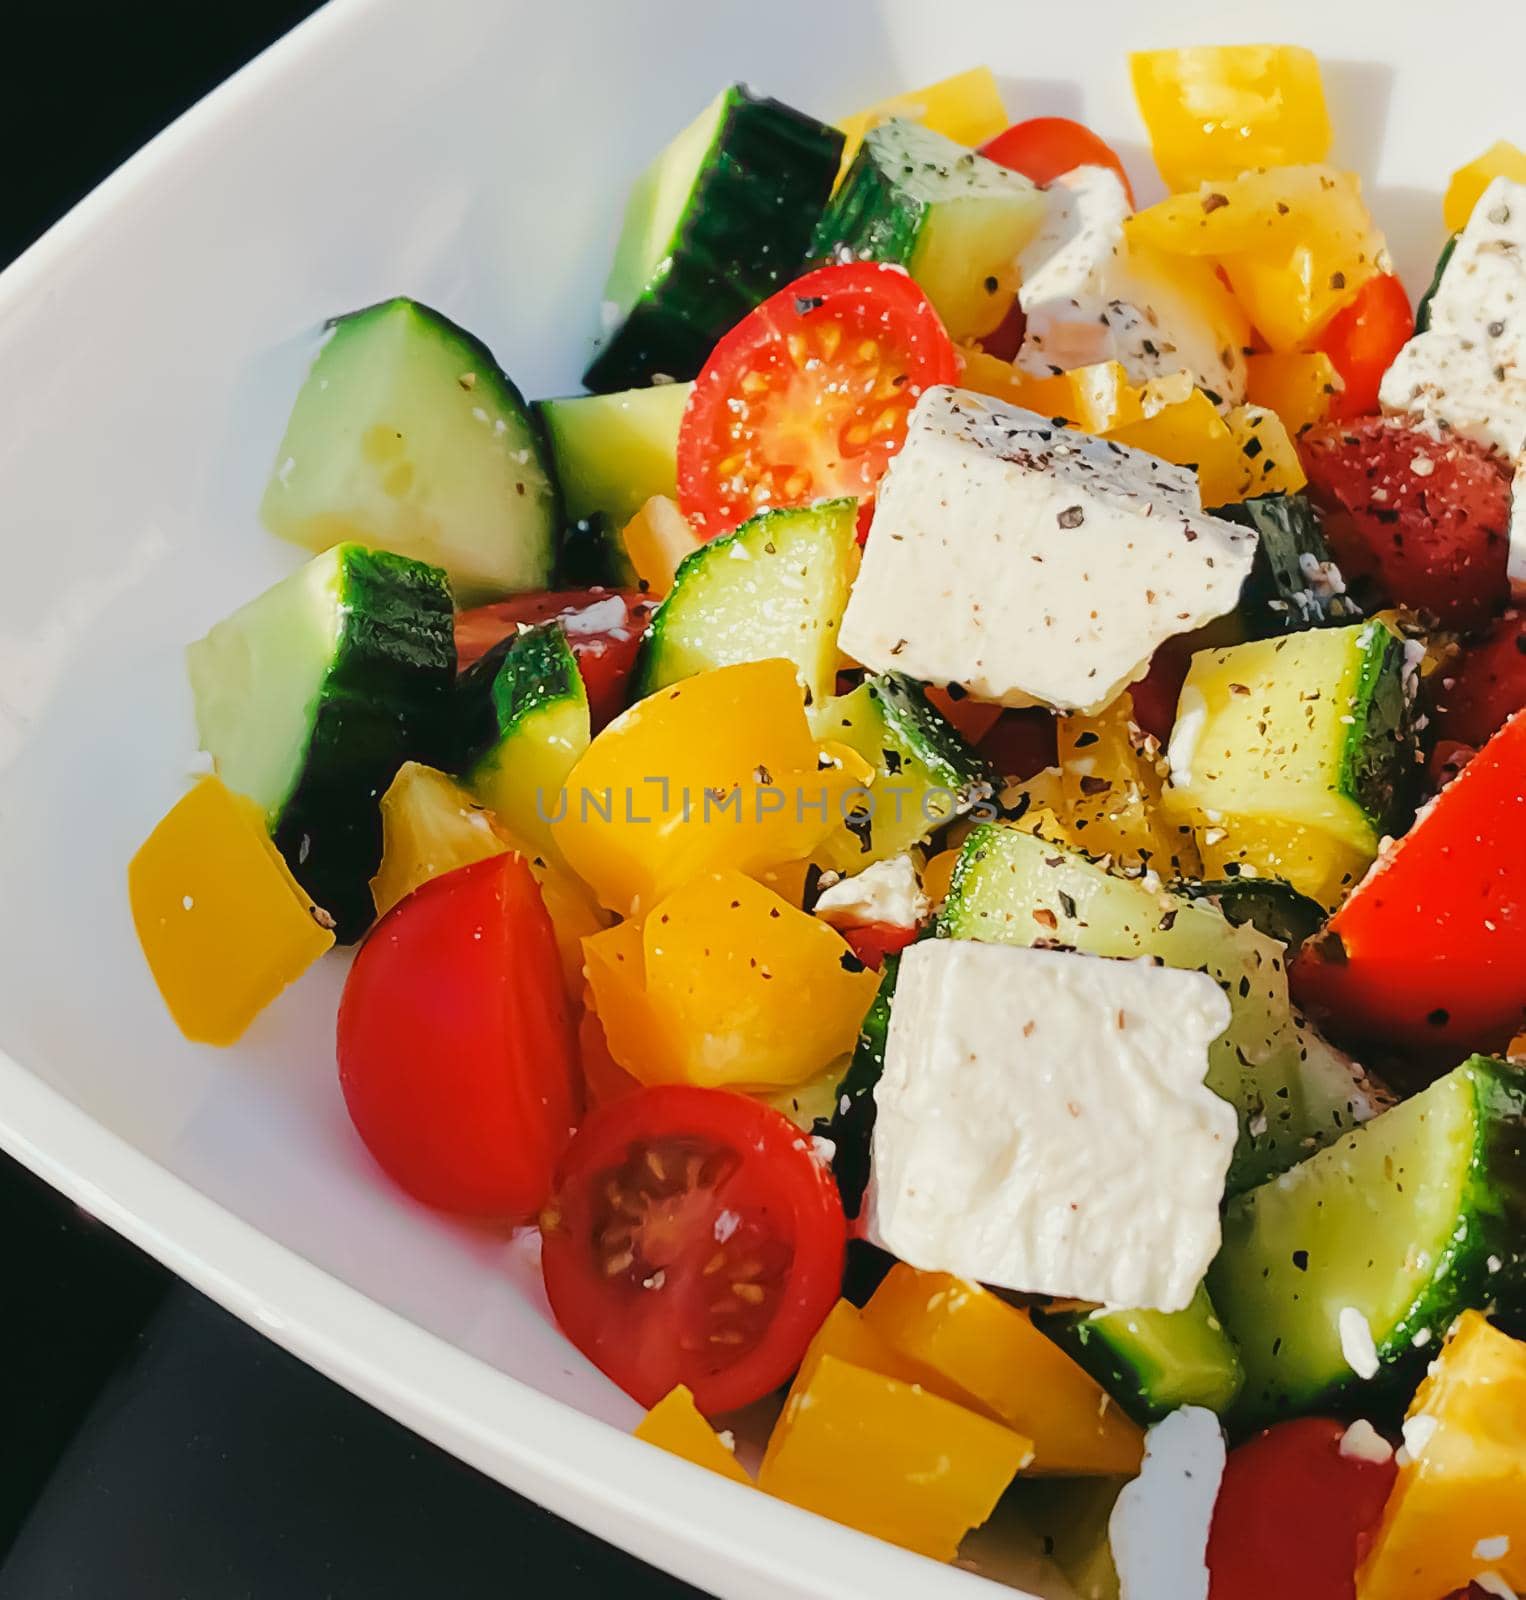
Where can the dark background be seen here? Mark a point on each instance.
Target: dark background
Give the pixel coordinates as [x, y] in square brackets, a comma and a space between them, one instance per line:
[150, 1446]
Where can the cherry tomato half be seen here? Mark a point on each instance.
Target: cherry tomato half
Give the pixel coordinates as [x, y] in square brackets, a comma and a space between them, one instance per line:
[693, 1238]
[1294, 1516]
[1362, 340]
[456, 1053]
[603, 626]
[806, 398]
[1043, 147]
[1427, 521]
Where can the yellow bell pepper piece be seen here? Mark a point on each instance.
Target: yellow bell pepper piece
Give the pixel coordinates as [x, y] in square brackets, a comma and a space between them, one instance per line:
[718, 771]
[674, 1424]
[1111, 778]
[938, 873]
[975, 1349]
[1297, 243]
[1501, 160]
[1212, 111]
[726, 984]
[431, 825]
[1458, 1509]
[880, 1452]
[1315, 862]
[1299, 386]
[966, 108]
[656, 539]
[1268, 459]
[1093, 399]
[1190, 434]
[223, 924]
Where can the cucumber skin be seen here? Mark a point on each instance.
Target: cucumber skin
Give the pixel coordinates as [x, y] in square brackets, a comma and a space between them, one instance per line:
[519, 675]
[1289, 526]
[1378, 769]
[929, 735]
[1443, 261]
[851, 1125]
[709, 284]
[1491, 1226]
[590, 555]
[1270, 905]
[869, 217]
[1087, 1344]
[383, 702]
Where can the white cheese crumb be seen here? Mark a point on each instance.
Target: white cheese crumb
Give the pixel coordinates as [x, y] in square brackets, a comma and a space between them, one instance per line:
[187, 902]
[200, 765]
[726, 1223]
[1159, 1526]
[1362, 1442]
[1493, 1583]
[1418, 1431]
[887, 892]
[824, 1150]
[1356, 1343]
[1492, 1549]
[728, 1440]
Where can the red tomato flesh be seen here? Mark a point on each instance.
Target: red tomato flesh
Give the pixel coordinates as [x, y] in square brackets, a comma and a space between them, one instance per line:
[1156, 694]
[1486, 686]
[456, 1053]
[1429, 952]
[806, 398]
[871, 942]
[1427, 521]
[1294, 1516]
[603, 626]
[693, 1238]
[1043, 147]
[1362, 340]
[1022, 743]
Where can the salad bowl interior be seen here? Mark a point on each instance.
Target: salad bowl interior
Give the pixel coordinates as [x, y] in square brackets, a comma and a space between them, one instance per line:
[474, 154]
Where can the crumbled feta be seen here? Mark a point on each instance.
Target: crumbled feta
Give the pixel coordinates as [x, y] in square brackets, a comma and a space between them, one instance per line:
[1030, 564]
[1043, 1123]
[1088, 299]
[1362, 1442]
[1360, 1353]
[1418, 1432]
[1468, 369]
[1160, 1523]
[1492, 1549]
[887, 891]
[1493, 1583]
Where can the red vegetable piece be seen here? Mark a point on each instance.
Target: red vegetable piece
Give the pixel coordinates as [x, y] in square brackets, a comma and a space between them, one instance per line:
[1427, 521]
[1488, 685]
[1429, 952]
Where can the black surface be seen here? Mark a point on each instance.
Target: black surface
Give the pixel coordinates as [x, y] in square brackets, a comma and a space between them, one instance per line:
[210, 1466]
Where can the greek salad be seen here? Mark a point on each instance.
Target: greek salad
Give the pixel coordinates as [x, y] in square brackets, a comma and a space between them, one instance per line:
[950, 833]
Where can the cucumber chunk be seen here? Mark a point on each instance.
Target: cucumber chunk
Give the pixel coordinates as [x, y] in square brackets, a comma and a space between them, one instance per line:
[953, 218]
[593, 556]
[1309, 728]
[1151, 1362]
[719, 220]
[925, 775]
[1294, 582]
[1394, 1230]
[1069, 1517]
[522, 723]
[774, 587]
[1290, 1090]
[850, 1127]
[310, 697]
[1269, 905]
[613, 452]
[408, 436]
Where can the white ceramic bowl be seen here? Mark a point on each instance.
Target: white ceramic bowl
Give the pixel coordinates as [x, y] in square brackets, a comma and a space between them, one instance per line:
[473, 153]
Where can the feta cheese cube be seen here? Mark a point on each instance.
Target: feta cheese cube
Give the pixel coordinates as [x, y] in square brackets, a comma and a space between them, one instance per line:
[1033, 565]
[1088, 298]
[886, 892]
[1160, 1524]
[1468, 369]
[1043, 1123]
